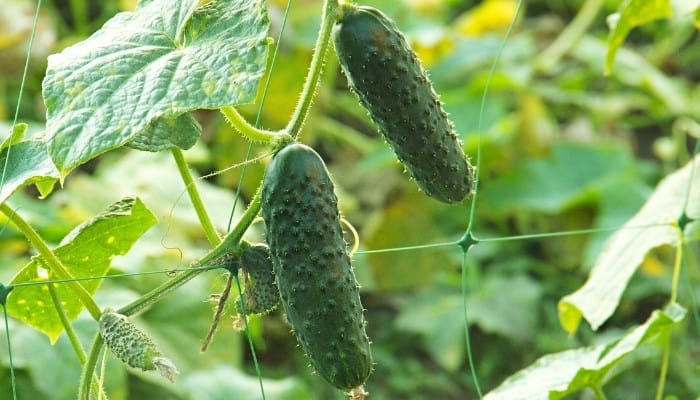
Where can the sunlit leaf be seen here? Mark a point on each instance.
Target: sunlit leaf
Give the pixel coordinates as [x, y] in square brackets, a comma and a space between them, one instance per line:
[86, 252]
[632, 13]
[654, 225]
[25, 163]
[16, 135]
[557, 375]
[161, 61]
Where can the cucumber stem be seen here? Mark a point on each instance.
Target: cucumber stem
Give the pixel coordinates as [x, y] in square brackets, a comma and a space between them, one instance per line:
[159, 292]
[231, 244]
[247, 130]
[599, 394]
[72, 335]
[70, 332]
[328, 18]
[200, 209]
[51, 261]
[677, 265]
[89, 368]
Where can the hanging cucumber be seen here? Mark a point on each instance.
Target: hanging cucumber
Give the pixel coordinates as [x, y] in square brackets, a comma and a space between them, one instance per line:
[318, 288]
[260, 295]
[392, 85]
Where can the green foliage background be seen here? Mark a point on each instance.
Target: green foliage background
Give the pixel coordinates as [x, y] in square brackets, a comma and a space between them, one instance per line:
[563, 147]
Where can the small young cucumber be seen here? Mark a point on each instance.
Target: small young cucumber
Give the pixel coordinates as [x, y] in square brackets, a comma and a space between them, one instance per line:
[260, 295]
[390, 82]
[319, 291]
[132, 345]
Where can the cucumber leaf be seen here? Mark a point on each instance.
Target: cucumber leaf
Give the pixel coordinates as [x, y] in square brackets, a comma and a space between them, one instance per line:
[166, 133]
[632, 13]
[160, 61]
[573, 173]
[654, 225]
[26, 163]
[500, 305]
[557, 375]
[86, 252]
[17, 134]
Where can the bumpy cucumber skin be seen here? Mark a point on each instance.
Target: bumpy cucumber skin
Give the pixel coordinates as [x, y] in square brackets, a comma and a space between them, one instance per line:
[319, 291]
[127, 342]
[260, 295]
[390, 82]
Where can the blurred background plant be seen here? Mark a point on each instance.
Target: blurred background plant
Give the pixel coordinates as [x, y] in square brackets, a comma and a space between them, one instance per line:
[565, 144]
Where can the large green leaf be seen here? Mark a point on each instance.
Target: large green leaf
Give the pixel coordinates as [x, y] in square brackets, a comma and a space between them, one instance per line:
[654, 225]
[501, 305]
[632, 13]
[86, 252]
[570, 174]
[165, 133]
[557, 375]
[161, 61]
[25, 163]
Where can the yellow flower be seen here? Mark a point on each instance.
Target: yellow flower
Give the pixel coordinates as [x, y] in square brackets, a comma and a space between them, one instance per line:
[489, 16]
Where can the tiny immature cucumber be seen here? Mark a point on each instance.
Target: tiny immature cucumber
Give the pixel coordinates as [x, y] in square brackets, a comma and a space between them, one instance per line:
[132, 346]
[260, 295]
[391, 83]
[314, 275]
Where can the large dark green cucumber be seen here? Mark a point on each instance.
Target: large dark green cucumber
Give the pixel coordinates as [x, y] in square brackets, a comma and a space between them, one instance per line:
[260, 295]
[392, 85]
[318, 288]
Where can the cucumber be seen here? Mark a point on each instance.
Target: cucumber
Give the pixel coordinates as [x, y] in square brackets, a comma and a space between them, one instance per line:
[314, 275]
[260, 295]
[390, 82]
[133, 346]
